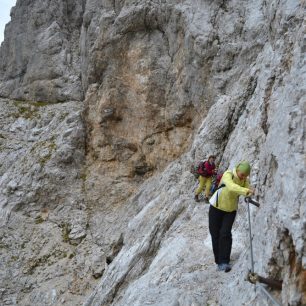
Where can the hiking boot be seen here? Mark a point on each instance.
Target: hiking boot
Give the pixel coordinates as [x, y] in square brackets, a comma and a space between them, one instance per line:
[221, 267]
[196, 198]
[206, 199]
[224, 267]
[228, 268]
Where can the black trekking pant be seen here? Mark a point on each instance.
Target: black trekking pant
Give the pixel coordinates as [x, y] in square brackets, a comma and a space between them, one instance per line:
[220, 226]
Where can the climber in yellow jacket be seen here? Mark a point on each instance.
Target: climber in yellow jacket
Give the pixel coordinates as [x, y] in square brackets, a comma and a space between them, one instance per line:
[222, 211]
[206, 170]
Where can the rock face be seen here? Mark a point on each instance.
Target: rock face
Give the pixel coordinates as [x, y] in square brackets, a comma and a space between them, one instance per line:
[42, 199]
[96, 202]
[39, 58]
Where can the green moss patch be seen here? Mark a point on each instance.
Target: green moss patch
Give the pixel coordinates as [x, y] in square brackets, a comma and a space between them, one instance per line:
[29, 109]
[50, 145]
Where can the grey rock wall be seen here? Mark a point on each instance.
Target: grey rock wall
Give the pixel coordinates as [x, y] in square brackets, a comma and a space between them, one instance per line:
[42, 202]
[39, 58]
[96, 202]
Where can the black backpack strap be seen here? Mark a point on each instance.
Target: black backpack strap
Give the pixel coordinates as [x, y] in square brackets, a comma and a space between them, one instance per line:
[221, 186]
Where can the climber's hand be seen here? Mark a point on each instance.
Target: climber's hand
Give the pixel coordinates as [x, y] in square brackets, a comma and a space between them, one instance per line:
[250, 192]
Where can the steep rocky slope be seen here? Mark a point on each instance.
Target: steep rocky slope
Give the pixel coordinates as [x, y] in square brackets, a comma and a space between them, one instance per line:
[40, 54]
[97, 199]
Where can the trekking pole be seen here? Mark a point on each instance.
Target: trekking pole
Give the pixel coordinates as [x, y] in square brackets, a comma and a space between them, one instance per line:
[253, 277]
[252, 201]
[256, 280]
[266, 292]
[250, 234]
[248, 200]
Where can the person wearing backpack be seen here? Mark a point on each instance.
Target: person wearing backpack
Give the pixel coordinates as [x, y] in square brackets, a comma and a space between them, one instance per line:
[222, 211]
[215, 182]
[206, 170]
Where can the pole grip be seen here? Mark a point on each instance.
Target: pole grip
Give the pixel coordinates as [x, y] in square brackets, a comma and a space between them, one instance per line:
[252, 201]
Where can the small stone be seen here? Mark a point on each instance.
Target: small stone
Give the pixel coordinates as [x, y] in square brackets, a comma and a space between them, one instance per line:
[295, 216]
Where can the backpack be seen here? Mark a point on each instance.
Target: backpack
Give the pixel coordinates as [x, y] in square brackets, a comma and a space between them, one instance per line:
[216, 179]
[198, 168]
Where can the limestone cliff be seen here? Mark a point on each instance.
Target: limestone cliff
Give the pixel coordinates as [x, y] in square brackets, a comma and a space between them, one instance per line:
[104, 106]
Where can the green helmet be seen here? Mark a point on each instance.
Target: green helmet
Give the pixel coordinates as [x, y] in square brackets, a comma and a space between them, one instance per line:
[244, 167]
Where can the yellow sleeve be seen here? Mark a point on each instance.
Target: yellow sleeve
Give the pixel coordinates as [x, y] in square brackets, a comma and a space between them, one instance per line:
[247, 184]
[233, 187]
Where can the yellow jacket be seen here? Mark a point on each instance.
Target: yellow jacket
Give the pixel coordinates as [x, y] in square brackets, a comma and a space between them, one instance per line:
[228, 196]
